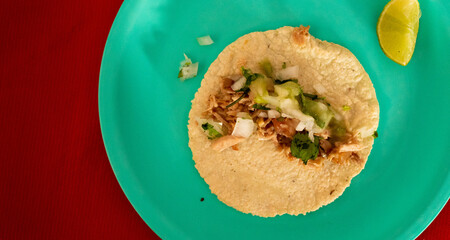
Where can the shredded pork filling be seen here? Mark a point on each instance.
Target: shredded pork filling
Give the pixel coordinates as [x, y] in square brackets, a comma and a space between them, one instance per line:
[280, 130]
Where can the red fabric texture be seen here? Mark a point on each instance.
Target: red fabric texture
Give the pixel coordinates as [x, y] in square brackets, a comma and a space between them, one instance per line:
[55, 177]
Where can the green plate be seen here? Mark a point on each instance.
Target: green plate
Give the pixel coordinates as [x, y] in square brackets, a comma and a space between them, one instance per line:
[144, 112]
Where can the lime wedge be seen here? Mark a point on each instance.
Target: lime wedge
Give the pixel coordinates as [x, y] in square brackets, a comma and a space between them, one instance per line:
[397, 29]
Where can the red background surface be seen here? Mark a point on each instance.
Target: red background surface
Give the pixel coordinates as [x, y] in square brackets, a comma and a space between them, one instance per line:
[55, 178]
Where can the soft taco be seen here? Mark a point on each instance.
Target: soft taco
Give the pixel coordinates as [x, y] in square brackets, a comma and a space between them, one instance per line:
[282, 122]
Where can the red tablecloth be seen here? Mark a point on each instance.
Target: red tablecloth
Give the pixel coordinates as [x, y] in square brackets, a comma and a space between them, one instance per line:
[55, 178]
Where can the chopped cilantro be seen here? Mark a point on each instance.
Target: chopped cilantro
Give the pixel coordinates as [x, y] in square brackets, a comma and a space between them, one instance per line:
[211, 132]
[346, 108]
[278, 109]
[259, 106]
[284, 65]
[278, 82]
[302, 147]
[375, 134]
[250, 77]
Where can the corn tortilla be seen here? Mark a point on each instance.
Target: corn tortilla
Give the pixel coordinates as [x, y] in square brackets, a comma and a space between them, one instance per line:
[259, 179]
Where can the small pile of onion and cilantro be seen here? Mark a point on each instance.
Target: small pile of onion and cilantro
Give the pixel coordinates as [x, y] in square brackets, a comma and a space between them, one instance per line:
[188, 69]
[287, 100]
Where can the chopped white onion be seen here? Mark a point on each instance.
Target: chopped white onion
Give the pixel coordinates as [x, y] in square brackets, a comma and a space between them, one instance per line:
[187, 69]
[185, 61]
[319, 88]
[288, 73]
[238, 84]
[301, 126]
[243, 128]
[190, 71]
[273, 114]
[288, 104]
[365, 132]
[311, 136]
[309, 125]
[317, 129]
[262, 115]
[235, 77]
[205, 40]
[298, 114]
[286, 115]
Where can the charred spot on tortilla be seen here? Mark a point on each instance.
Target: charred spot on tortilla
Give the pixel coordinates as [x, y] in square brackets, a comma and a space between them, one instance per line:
[276, 131]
